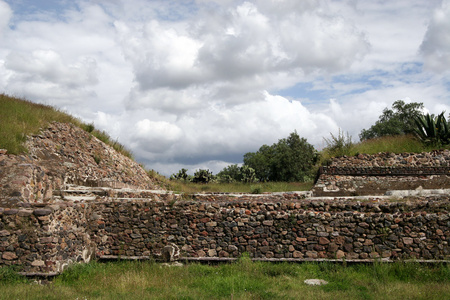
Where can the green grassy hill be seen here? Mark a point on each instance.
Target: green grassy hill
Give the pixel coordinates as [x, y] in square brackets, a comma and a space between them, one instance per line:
[19, 118]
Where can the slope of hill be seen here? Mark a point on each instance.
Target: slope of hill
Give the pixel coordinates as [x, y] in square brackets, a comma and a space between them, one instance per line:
[61, 154]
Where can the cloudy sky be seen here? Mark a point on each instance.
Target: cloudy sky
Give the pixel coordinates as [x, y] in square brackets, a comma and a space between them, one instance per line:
[198, 83]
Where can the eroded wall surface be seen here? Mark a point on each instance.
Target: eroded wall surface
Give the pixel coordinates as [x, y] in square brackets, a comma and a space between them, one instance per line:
[376, 174]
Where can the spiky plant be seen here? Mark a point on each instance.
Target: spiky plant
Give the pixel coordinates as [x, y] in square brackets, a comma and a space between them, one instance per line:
[433, 130]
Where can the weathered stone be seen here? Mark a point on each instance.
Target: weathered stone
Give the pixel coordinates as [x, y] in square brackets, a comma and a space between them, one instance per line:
[340, 254]
[38, 263]
[42, 212]
[323, 241]
[268, 222]
[407, 240]
[9, 256]
[4, 233]
[311, 254]
[297, 254]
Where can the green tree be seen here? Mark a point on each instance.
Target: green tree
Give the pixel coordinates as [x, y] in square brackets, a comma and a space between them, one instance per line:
[261, 162]
[396, 121]
[231, 173]
[234, 173]
[291, 159]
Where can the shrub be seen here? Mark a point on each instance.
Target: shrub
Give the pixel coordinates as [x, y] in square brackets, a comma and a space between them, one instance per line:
[339, 145]
[433, 130]
[203, 176]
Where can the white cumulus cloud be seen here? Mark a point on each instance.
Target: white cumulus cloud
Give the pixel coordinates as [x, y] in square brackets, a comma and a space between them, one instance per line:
[436, 44]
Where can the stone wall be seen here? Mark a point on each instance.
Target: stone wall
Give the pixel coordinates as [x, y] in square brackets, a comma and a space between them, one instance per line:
[376, 174]
[289, 229]
[45, 239]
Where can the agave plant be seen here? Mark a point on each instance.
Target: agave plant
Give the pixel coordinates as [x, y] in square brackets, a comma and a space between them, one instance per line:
[433, 130]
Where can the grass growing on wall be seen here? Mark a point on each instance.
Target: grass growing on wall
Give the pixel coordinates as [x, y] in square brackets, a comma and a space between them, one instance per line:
[241, 280]
[394, 144]
[239, 187]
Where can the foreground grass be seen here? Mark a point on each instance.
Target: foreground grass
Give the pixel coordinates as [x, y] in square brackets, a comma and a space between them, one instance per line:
[241, 280]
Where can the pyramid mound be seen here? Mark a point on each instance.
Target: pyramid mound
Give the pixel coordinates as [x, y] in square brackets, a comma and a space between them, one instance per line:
[61, 155]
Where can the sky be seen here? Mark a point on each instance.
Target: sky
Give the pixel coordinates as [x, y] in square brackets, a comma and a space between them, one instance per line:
[196, 84]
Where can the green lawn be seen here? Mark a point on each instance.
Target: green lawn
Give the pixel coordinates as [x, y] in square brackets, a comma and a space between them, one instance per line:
[241, 280]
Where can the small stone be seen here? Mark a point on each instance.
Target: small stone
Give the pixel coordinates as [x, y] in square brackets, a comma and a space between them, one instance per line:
[4, 233]
[223, 254]
[315, 282]
[42, 212]
[11, 212]
[311, 254]
[9, 256]
[324, 241]
[340, 254]
[38, 263]
[297, 254]
[408, 240]
[232, 248]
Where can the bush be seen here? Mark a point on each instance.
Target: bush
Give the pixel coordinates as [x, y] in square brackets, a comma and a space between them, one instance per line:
[203, 176]
[181, 175]
[339, 145]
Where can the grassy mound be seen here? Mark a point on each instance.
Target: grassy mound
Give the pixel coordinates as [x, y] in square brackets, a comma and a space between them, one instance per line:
[20, 118]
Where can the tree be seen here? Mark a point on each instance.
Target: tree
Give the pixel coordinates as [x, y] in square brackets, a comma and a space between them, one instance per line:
[396, 121]
[260, 161]
[291, 159]
[231, 173]
[234, 173]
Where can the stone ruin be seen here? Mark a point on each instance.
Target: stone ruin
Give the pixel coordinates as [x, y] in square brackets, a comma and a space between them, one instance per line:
[72, 199]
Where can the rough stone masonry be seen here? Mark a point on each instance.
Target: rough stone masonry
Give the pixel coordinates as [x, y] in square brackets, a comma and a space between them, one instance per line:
[73, 199]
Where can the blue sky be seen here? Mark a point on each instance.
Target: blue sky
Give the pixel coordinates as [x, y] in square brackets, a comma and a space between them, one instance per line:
[197, 84]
